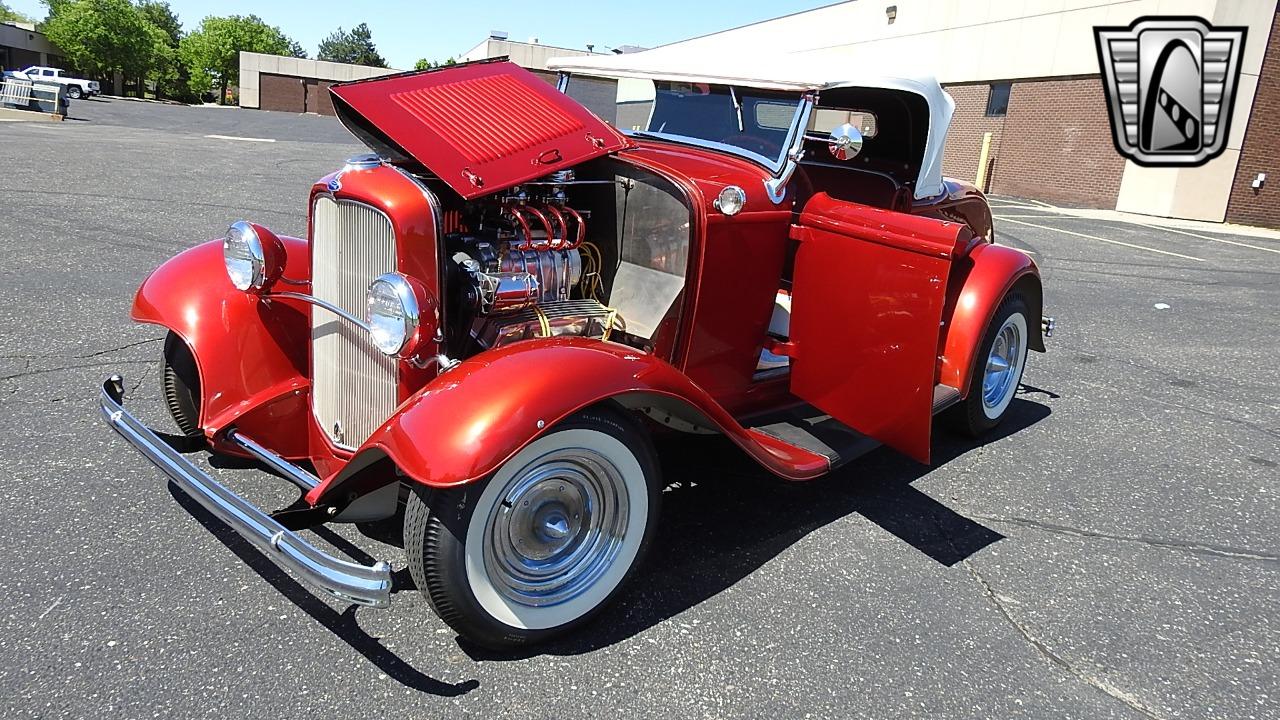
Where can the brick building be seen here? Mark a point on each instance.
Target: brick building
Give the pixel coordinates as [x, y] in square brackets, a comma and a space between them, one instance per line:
[1027, 71]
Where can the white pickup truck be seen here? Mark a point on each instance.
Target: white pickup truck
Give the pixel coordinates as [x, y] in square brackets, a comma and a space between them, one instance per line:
[76, 87]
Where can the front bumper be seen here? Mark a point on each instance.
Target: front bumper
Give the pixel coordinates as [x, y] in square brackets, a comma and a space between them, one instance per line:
[340, 578]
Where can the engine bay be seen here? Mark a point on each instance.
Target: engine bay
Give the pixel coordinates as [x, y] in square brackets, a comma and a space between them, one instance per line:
[569, 254]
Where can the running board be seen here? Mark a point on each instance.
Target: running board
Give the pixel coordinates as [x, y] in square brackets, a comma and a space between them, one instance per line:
[808, 428]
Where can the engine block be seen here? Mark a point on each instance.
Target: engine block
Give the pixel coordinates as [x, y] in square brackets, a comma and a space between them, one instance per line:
[518, 270]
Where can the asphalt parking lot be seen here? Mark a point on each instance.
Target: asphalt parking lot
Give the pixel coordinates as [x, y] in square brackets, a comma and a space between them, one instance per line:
[1112, 552]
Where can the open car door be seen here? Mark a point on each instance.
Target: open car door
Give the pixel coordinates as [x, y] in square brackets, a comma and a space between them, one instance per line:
[867, 298]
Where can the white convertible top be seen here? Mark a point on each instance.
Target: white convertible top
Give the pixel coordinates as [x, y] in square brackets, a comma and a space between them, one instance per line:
[786, 72]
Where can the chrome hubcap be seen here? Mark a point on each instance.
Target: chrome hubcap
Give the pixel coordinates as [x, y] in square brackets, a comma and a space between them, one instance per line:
[1001, 379]
[558, 528]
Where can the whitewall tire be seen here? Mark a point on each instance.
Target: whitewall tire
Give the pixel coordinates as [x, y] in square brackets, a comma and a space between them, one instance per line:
[999, 363]
[546, 541]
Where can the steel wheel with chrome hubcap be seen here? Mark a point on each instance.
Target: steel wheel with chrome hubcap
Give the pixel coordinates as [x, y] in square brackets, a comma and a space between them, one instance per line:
[999, 364]
[546, 541]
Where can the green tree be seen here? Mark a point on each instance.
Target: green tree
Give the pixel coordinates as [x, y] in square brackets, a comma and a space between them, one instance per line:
[9, 14]
[355, 47]
[99, 37]
[212, 53]
[425, 64]
[167, 71]
[163, 17]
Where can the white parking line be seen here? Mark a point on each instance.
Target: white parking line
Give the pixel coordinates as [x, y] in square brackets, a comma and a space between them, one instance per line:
[1043, 216]
[242, 139]
[1023, 204]
[1105, 240]
[1214, 239]
[1158, 228]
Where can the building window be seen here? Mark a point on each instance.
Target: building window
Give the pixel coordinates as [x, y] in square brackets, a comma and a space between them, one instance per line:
[998, 99]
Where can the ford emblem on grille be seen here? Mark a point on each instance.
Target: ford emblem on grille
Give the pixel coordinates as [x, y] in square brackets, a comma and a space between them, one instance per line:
[335, 185]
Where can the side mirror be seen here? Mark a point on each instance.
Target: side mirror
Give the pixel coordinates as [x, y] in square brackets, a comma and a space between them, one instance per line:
[845, 142]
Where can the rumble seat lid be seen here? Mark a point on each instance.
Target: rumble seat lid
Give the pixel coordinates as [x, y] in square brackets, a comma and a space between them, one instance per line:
[481, 127]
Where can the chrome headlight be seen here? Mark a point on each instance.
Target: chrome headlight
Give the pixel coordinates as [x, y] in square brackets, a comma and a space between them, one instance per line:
[392, 313]
[254, 257]
[731, 200]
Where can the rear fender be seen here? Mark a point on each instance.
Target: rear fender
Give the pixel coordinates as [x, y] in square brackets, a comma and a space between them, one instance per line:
[251, 354]
[989, 273]
[463, 425]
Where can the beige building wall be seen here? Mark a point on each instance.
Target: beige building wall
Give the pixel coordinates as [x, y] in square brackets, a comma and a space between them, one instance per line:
[29, 42]
[531, 56]
[1202, 193]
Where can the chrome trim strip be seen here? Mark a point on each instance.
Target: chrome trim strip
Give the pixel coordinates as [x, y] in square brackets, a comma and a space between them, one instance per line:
[773, 165]
[322, 303]
[291, 472]
[776, 188]
[343, 579]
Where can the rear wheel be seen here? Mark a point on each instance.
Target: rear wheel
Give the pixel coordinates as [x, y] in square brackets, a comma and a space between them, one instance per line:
[546, 541]
[1001, 359]
[182, 386]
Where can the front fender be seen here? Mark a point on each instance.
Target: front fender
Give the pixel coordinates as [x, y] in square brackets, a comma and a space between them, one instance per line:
[251, 354]
[464, 424]
[993, 271]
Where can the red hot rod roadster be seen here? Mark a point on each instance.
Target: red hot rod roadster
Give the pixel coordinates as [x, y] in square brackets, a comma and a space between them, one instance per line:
[493, 311]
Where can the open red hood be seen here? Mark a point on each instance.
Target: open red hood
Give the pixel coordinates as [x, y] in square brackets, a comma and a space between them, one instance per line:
[481, 127]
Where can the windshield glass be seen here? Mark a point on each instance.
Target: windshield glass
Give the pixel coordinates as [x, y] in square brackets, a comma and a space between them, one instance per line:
[746, 121]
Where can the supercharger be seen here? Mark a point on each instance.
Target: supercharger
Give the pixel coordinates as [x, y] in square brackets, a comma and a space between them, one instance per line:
[520, 266]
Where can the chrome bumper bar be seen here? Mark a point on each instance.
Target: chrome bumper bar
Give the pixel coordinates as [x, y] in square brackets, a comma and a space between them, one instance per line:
[340, 578]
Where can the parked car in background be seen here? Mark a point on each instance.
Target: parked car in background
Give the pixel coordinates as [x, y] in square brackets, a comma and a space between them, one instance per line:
[76, 87]
[492, 314]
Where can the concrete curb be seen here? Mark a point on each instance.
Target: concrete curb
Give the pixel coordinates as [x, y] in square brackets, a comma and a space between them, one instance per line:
[28, 115]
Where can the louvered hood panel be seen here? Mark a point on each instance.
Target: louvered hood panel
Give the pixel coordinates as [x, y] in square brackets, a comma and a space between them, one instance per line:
[481, 127]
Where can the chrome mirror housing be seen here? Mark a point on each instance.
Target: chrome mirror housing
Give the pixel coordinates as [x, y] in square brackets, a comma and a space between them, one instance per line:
[844, 142]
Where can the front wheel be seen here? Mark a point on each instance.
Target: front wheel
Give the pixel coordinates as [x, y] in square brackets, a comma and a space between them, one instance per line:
[74, 92]
[181, 384]
[546, 541]
[1000, 361]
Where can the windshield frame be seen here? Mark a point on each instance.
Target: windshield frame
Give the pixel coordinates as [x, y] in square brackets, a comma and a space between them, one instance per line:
[777, 167]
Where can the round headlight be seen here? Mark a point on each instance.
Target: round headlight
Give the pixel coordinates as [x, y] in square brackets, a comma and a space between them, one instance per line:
[392, 313]
[731, 200]
[254, 257]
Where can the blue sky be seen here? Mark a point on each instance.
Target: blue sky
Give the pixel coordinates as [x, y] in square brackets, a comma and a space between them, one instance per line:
[406, 30]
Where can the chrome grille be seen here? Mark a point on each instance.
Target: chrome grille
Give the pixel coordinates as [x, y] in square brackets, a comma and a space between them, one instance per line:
[353, 386]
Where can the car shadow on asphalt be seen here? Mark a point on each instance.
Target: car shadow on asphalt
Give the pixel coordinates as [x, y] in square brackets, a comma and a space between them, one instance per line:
[723, 517]
[342, 624]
